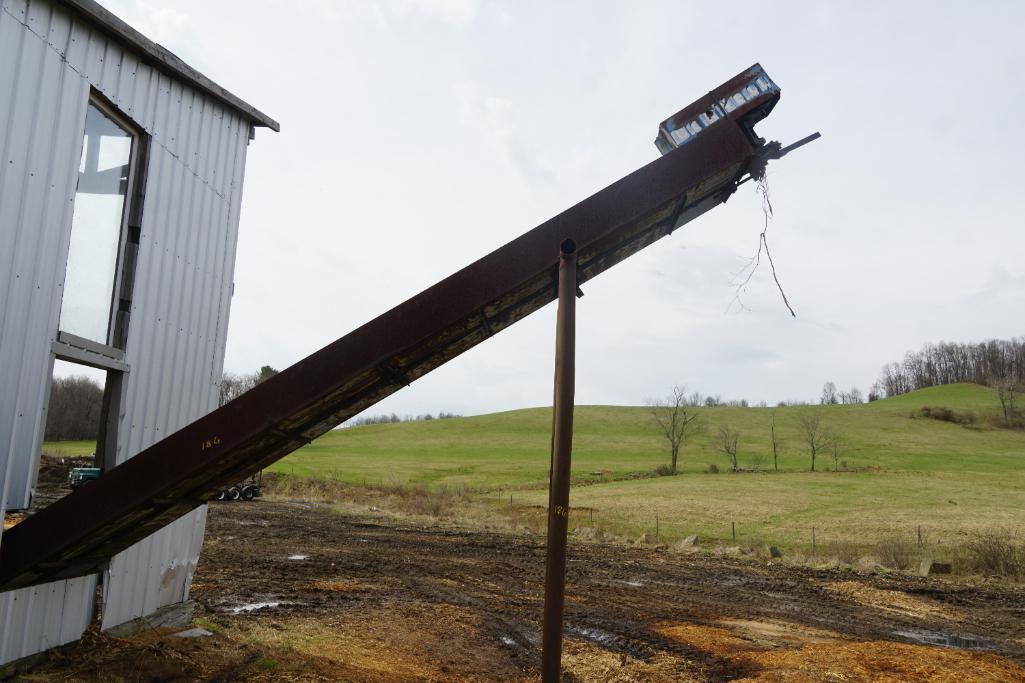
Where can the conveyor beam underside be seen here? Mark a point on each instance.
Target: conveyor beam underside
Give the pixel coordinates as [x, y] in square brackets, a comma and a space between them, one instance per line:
[80, 532]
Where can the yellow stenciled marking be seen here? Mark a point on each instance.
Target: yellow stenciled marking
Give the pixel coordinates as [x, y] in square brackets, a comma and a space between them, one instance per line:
[210, 443]
[562, 511]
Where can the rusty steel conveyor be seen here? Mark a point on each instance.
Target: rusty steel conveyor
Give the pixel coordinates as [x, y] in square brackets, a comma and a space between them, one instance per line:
[708, 149]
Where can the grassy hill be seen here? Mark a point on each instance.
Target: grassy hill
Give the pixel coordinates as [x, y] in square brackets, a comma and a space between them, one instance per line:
[903, 471]
[511, 449]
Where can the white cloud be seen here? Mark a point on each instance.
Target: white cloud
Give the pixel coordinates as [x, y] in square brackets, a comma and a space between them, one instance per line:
[455, 12]
[161, 24]
[888, 232]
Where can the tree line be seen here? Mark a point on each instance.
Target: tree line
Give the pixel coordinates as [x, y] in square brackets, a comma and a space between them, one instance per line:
[393, 418]
[73, 414]
[234, 385]
[992, 362]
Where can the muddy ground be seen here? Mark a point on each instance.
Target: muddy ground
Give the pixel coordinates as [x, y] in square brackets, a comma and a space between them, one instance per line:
[295, 591]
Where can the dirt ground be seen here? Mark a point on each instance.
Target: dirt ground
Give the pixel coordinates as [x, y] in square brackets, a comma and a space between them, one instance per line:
[51, 485]
[294, 591]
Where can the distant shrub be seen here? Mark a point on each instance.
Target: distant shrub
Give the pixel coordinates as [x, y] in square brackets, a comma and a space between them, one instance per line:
[713, 469]
[420, 499]
[894, 552]
[416, 499]
[755, 545]
[997, 553]
[664, 471]
[844, 552]
[965, 418]
[305, 488]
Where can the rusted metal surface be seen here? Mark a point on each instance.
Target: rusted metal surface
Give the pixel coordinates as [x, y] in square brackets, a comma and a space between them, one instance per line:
[78, 533]
[562, 448]
[747, 98]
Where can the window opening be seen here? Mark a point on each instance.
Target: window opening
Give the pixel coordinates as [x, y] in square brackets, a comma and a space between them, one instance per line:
[97, 226]
[75, 413]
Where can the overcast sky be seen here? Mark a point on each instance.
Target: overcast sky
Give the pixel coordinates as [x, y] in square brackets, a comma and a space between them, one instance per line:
[418, 135]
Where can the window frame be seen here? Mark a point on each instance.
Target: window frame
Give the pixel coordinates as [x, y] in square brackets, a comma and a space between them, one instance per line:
[101, 354]
[110, 354]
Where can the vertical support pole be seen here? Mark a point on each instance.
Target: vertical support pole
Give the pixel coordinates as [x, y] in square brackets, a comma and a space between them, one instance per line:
[562, 445]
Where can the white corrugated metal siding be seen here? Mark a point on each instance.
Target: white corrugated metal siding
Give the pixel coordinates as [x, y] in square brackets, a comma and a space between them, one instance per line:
[42, 109]
[51, 614]
[182, 294]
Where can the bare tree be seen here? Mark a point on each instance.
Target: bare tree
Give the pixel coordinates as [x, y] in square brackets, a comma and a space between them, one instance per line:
[775, 450]
[875, 392]
[851, 397]
[74, 410]
[814, 434]
[232, 386]
[829, 395]
[837, 445]
[728, 444]
[676, 417]
[1008, 395]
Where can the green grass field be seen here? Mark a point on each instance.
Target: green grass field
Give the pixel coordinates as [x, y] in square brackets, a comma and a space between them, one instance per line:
[511, 449]
[69, 448]
[904, 472]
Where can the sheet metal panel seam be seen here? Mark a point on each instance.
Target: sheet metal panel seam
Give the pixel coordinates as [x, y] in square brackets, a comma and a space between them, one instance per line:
[6, 178]
[219, 281]
[42, 321]
[191, 253]
[8, 258]
[26, 249]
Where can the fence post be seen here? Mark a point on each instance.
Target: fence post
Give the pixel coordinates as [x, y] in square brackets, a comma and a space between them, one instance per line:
[813, 540]
[733, 523]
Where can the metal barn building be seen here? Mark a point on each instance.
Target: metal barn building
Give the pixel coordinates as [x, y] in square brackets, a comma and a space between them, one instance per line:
[120, 186]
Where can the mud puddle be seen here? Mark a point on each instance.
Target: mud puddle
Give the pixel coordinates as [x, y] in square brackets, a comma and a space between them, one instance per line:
[249, 607]
[957, 641]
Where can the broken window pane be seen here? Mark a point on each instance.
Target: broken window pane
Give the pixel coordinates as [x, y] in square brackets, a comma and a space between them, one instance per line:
[680, 135]
[96, 227]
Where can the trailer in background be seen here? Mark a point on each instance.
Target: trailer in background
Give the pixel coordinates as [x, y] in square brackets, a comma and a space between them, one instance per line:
[246, 489]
